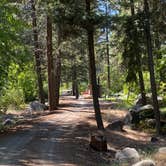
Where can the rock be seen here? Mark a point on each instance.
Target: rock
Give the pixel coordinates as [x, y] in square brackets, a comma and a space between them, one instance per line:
[145, 107]
[139, 100]
[134, 111]
[145, 163]
[8, 122]
[66, 93]
[129, 155]
[141, 112]
[146, 112]
[148, 100]
[135, 108]
[98, 142]
[135, 118]
[161, 154]
[37, 106]
[154, 139]
[127, 119]
[9, 116]
[151, 122]
[116, 125]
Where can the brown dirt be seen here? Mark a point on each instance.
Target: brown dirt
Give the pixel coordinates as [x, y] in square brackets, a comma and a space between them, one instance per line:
[62, 138]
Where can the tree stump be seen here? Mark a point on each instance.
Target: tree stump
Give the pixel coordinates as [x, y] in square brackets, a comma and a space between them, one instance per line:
[98, 142]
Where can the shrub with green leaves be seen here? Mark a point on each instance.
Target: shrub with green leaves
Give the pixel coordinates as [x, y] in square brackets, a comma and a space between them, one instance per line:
[11, 97]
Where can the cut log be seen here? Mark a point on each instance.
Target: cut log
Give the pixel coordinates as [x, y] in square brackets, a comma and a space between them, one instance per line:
[98, 142]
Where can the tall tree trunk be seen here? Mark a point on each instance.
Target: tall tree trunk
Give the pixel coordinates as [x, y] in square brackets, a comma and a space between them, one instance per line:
[73, 88]
[108, 62]
[156, 26]
[74, 77]
[151, 67]
[51, 78]
[58, 69]
[37, 54]
[92, 68]
[75, 81]
[140, 74]
[141, 83]
[108, 55]
[77, 90]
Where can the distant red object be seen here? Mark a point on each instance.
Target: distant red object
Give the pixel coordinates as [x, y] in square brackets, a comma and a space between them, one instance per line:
[88, 91]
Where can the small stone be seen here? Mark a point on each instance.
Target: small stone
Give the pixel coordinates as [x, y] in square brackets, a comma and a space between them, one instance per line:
[116, 125]
[151, 122]
[8, 122]
[145, 163]
[154, 139]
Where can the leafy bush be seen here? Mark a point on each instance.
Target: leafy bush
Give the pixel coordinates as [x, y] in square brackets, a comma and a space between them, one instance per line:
[11, 97]
[24, 79]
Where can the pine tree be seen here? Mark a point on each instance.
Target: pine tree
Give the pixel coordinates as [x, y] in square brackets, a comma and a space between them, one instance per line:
[51, 78]
[151, 66]
[37, 53]
[92, 67]
[140, 74]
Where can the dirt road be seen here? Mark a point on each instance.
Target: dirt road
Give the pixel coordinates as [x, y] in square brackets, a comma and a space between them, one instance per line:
[59, 139]
[62, 138]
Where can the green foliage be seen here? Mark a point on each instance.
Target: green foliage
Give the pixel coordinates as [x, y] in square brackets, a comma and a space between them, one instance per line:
[24, 79]
[11, 46]
[27, 81]
[20, 86]
[126, 44]
[11, 97]
[161, 70]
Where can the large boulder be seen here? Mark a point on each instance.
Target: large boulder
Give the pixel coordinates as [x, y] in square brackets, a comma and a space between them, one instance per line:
[146, 112]
[127, 119]
[141, 113]
[145, 163]
[148, 100]
[127, 155]
[37, 106]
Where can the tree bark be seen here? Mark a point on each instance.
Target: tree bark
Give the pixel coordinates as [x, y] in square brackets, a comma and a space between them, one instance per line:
[108, 62]
[75, 82]
[141, 83]
[58, 69]
[92, 68]
[37, 54]
[151, 67]
[108, 55]
[77, 90]
[140, 74]
[51, 86]
[73, 88]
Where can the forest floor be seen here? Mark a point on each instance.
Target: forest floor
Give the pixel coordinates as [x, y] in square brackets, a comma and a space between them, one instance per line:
[62, 138]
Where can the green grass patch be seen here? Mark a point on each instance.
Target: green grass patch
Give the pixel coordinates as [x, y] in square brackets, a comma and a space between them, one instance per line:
[120, 103]
[163, 112]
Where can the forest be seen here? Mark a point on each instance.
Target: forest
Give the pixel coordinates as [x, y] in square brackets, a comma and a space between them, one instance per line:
[83, 82]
